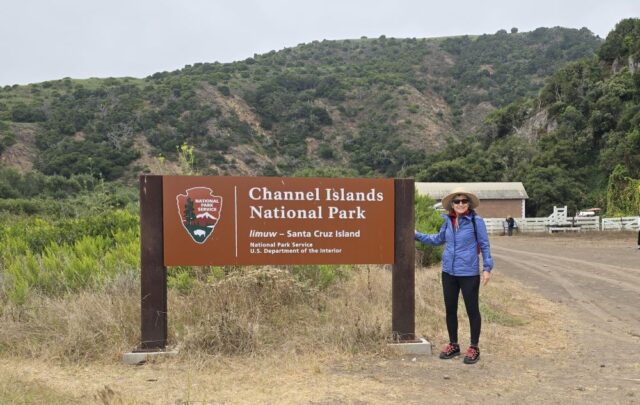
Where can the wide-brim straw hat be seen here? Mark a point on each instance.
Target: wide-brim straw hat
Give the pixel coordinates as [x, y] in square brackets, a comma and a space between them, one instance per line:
[474, 201]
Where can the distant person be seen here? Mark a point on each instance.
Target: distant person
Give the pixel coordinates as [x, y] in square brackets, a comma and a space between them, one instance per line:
[511, 223]
[638, 238]
[465, 235]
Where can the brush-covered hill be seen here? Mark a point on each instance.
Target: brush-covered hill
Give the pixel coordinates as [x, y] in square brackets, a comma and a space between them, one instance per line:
[576, 143]
[364, 106]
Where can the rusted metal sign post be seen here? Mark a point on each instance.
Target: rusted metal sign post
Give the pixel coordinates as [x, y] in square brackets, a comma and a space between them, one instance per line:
[351, 220]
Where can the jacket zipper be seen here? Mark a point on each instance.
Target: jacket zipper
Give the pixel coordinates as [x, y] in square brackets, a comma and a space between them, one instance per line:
[453, 261]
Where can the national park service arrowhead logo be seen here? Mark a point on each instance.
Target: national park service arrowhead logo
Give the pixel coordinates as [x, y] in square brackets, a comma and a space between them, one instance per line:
[199, 212]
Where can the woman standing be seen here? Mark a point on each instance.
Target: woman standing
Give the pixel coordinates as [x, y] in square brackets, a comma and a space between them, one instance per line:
[465, 235]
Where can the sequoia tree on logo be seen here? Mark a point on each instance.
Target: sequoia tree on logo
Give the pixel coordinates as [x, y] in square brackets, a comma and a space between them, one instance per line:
[199, 212]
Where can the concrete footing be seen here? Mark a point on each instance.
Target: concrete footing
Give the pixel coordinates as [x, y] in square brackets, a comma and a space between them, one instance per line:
[135, 358]
[420, 347]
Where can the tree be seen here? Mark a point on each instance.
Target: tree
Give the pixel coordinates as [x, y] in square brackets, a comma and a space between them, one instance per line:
[26, 113]
[623, 193]
[189, 212]
[551, 186]
[622, 42]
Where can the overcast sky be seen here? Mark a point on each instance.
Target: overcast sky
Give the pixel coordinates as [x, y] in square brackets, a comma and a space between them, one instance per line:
[45, 39]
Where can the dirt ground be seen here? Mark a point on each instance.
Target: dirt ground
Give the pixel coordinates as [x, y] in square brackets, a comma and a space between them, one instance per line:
[596, 278]
[585, 351]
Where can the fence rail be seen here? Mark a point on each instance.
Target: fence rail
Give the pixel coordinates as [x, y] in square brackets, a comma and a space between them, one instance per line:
[498, 225]
[622, 223]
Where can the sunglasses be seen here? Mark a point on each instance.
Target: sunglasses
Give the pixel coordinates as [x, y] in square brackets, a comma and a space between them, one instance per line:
[463, 201]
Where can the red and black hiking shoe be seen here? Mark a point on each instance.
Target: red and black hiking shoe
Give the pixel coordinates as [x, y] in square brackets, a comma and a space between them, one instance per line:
[472, 355]
[450, 350]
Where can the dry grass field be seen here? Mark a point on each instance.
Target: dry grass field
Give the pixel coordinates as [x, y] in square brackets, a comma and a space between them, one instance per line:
[261, 336]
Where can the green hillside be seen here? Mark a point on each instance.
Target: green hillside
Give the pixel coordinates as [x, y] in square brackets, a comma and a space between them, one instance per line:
[576, 143]
[440, 109]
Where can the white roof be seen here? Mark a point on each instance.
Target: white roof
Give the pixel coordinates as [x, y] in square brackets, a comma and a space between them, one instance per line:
[485, 191]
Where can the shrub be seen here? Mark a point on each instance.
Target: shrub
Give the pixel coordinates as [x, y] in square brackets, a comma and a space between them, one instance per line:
[427, 221]
[320, 276]
[56, 257]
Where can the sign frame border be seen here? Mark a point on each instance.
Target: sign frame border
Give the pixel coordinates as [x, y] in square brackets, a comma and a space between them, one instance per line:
[153, 272]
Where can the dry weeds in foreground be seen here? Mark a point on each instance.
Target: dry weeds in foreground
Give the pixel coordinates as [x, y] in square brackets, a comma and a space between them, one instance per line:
[255, 336]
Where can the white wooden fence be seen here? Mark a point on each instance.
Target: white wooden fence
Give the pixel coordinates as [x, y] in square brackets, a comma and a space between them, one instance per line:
[622, 223]
[498, 225]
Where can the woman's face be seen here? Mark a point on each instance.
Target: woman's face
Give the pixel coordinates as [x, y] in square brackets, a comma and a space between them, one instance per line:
[460, 204]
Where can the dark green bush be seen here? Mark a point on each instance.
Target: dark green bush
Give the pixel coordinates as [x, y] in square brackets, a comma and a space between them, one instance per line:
[428, 220]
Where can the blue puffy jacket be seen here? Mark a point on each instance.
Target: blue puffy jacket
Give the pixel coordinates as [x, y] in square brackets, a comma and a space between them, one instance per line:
[460, 256]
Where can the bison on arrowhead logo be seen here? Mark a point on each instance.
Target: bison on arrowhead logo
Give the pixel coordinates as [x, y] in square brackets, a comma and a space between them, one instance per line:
[199, 212]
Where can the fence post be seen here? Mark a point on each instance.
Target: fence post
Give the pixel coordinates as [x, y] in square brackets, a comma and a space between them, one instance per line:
[403, 272]
[153, 273]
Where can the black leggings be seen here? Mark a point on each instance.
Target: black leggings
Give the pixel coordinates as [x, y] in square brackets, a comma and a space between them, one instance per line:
[470, 286]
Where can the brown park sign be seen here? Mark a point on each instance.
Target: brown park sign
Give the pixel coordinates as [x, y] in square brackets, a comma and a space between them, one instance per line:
[273, 220]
